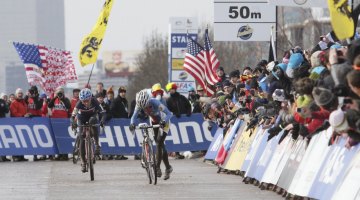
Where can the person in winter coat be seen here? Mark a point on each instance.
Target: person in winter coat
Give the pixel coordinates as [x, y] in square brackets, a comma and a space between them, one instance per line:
[119, 106]
[177, 103]
[34, 102]
[74, 99]
[4, 109]
[60, 106]
[119, 109]
[194, 100]
[34, 106]
[18, 108]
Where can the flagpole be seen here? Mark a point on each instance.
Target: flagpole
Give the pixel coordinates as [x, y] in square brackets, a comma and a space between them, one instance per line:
[206, 86]
[92, 68]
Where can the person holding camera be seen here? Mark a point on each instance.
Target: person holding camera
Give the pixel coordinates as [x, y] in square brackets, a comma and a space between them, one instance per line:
[60, 106]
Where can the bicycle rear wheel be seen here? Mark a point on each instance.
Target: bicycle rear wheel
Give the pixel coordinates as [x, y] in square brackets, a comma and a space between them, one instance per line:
[151, 163]
[90, 151]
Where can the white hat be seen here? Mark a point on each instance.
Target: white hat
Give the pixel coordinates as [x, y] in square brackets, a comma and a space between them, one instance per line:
[338, 120]
[19, 90]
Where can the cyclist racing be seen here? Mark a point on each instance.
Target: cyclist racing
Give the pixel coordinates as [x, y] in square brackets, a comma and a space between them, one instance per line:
[161, 115]
[87, 110]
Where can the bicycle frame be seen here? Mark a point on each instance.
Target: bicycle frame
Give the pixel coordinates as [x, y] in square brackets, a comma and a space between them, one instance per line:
[148, 154]
[89, 148]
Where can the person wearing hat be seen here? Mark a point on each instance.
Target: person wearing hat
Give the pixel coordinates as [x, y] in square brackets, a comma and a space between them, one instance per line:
[34, 104]
[18, 108]
[119, 108]
[178, 105]
[200, 90]
[60, 106]
[194, 100]
[158, 93]
[109, 97]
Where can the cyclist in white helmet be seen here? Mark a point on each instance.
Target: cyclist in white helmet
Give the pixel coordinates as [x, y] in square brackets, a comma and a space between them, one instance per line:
[154, 109]
[87, 110]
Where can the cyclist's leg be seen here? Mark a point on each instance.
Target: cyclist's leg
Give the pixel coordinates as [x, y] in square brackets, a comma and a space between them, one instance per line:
[93, 120]
[82, 149]
[158, 148]
[165, 156]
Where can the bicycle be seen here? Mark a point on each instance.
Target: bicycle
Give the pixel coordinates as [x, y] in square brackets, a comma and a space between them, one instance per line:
[148, 159]
[89, 148]
[76, 149]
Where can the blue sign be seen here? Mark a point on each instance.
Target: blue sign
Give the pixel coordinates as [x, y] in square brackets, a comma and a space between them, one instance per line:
[179, 40]
[27, 136]
[44, 136]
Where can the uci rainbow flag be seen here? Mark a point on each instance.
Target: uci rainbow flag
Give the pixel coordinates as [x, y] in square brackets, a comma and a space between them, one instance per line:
[91, 43]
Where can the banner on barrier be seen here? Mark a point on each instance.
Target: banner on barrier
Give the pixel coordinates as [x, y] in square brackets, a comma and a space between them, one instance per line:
[240, 148]
[27, 136]
[44, 136]
[215, 145]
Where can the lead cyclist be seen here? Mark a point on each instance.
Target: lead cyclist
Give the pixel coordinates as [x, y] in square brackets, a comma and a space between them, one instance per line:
[159, 114]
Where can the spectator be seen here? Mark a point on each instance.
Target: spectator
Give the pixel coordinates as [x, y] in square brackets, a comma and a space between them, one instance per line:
[158, 93]
[177, 104]
[100, 88]
[4, 109]
[194, 100]
[221, 74]
[34, 105]
[18, 108]
[74, 99]
[119, 109]
[60, 106]
[109, 96]
[200, 91]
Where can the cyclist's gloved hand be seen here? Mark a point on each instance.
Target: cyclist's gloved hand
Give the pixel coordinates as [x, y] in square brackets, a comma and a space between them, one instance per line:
[73, 126]
[162, 124]
[102, 124]
[132, 127]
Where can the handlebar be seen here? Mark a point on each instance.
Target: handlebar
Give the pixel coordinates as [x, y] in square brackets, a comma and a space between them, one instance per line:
[146, 126]
[89, 125]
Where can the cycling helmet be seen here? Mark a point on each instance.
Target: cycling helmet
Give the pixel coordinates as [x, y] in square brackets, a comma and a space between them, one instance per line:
[85, 94]
[142, 98]
[279, 95]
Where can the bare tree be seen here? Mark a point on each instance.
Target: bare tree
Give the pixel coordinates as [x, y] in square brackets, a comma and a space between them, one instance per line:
[152, 64]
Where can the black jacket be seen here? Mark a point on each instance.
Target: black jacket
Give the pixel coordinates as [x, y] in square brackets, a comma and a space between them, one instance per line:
[4, 108]
[119, 108]
[178, 104]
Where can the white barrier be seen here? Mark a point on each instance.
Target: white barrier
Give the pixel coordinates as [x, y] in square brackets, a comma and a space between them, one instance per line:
[314, 170]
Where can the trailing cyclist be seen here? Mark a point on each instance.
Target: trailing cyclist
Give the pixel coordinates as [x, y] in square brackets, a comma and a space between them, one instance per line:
[86, 111]
[155, 110]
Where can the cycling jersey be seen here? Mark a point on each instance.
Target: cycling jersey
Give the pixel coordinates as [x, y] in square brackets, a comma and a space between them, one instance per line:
[84, 113]
[154, 109]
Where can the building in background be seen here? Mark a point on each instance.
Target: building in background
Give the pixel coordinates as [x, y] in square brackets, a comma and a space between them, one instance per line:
[30, 21]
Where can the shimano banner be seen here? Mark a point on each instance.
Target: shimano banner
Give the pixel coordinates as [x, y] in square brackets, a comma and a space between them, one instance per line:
[44, 136]
[27, 136]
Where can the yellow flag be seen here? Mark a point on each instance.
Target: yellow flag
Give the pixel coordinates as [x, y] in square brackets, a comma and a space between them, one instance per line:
[341, 20]
[91, 43]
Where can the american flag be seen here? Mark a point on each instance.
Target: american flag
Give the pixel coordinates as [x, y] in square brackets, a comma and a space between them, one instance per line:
[45, 66]
[194, 64]
[211, 61]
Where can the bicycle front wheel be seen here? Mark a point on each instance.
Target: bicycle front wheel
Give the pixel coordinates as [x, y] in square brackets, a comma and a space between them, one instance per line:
[90, 153]
[76, 150]
[151, 163]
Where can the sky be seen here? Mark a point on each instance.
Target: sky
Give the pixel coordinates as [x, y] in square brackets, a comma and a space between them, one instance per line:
[130, 21]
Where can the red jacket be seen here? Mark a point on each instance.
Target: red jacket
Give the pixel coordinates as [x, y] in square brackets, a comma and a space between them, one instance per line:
[311, 123]
[32, 107]
[44, 109]
[73, 104]
[59, 110]
[18, 108]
